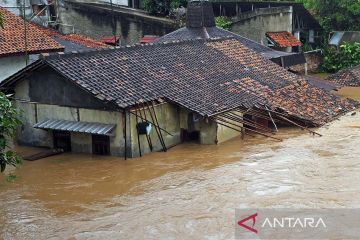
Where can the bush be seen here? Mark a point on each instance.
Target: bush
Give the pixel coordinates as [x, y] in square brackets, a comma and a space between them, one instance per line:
[223, 22]
[8, 123]
[347, 56]
[163, 7]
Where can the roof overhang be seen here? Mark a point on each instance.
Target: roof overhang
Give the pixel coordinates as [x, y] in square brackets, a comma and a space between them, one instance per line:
[73, 126]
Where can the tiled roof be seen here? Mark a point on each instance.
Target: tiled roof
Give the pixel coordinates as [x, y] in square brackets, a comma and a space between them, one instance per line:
[186, 33]
[110, 40]
[74, 38]
[283, 39]
[347, 77]
[207, 77]
[148, 39]
[12, 37]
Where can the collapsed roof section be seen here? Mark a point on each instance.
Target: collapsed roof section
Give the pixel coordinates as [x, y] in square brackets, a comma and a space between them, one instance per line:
[205, 76]
[346, 78]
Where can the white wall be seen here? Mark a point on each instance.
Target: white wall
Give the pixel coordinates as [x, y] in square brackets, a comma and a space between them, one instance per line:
[10, 65]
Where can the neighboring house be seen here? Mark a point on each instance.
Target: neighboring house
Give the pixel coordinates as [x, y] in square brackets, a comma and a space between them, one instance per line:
[205, 90]
[283, 41]
[20, 42]
[346, 78]
[200, 23]
[338, 38]
[20, 46]
[132, 100]
[253, 19]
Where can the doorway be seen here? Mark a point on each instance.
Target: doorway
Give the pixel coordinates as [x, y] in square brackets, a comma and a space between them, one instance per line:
[101, 144]
[62, 140]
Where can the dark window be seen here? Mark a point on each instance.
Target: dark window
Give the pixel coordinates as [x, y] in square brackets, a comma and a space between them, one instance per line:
[101, 144]
[62, 140]
[187, 136]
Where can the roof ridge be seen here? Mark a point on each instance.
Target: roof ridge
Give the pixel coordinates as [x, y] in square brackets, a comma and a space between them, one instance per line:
[90, 52]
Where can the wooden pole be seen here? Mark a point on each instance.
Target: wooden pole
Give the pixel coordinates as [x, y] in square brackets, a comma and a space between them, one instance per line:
[272, 119]
[144, 119]
[138, 135]
[125, 135]
[147, 136]
[156, 129]
[257, 126]
[263, 134]
[153, 124]
[302, 127]
[157, 122]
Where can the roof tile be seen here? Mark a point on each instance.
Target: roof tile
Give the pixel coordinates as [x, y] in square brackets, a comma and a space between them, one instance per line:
[12, 37]
[283, 39]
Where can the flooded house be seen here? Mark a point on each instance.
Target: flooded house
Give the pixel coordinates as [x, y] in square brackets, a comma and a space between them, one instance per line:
[136, 99]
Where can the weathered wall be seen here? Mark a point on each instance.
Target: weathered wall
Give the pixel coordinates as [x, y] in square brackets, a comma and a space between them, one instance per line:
[97, 23]
[313, 60]
[10, 65]
[33, 113]
[62, 91]
[168, 117]
[225, 133]
[255, 24]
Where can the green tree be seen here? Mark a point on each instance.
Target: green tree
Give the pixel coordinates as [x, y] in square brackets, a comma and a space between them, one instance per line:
[9, 120]
[335, 15]
[223, 22]
[163, 7]
[348, 56]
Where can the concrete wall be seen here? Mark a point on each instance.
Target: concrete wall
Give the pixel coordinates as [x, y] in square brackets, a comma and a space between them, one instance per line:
[10, 65]
[33, 113]
[313, 60]
[225, 133]
[255, 24]
[169, 119]
[97, 23]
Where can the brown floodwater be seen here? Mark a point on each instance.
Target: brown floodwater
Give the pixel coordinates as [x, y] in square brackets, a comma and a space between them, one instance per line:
[189, 192]
[349, 92]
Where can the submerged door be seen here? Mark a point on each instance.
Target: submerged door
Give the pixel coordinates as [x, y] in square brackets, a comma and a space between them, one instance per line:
[62, 140]
[101, 144]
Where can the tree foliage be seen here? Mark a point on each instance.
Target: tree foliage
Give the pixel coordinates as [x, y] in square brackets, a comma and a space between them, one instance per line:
[9, 120]
[335, 15]
[348, 56]
[163, 7]
[223, 22]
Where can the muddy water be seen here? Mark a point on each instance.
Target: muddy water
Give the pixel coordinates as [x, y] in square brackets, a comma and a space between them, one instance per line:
[350, 92]
[190, 192]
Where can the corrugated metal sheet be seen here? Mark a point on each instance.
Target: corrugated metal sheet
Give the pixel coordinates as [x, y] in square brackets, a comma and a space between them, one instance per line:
[336, 38]
[72, 126]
